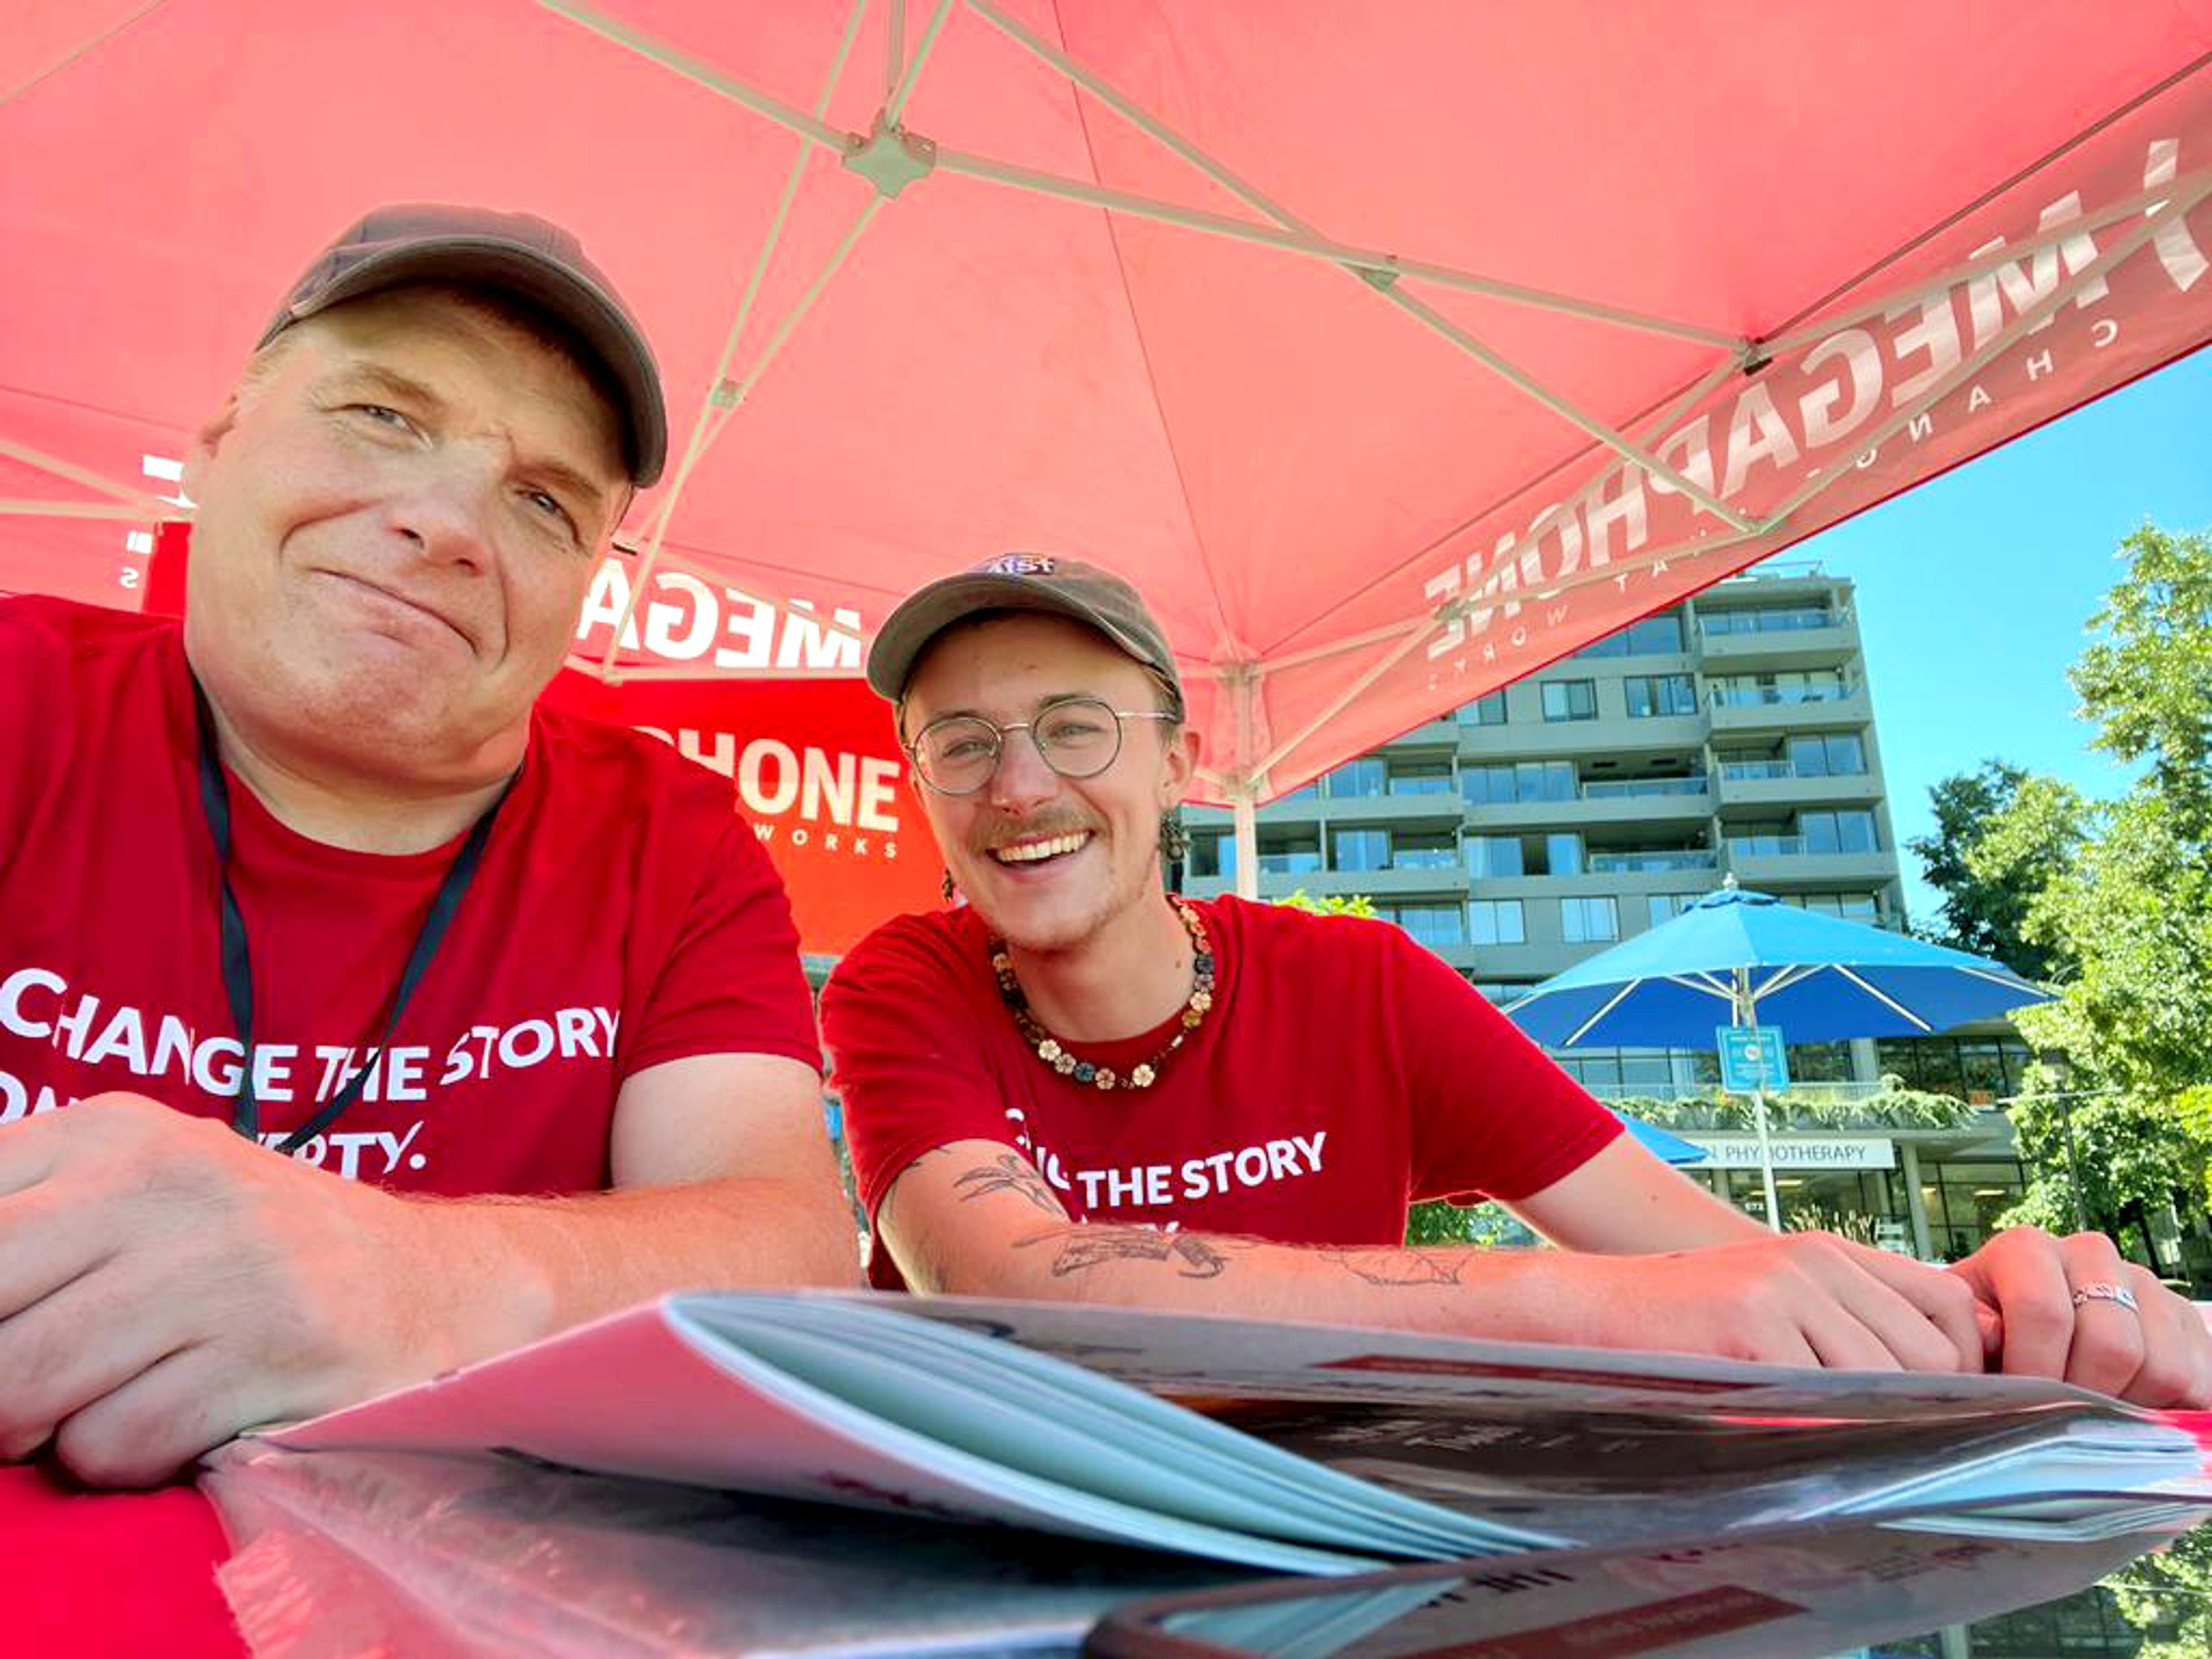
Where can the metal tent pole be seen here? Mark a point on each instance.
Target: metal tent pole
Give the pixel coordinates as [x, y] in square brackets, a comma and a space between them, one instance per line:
[1746, 1015]
[1244, 818]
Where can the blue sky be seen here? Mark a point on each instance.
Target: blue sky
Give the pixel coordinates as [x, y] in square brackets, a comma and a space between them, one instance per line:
[1972, 590]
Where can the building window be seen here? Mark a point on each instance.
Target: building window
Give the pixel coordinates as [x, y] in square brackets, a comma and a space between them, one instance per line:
[1493, 855]
[1524, 781]
[1651, 695]
[1840, 755]
[1588, 920]
[1839, 832]
[1751, 691]
[1569, 700]
[1412, 849]
[1418, 778]
[1665, 906]
[1850, 907]
[1495, 921]
[1213, 857]
[1562, 854]
[1484, 711]
[1648, 637]
[1433, 924]
[1296, 853]
[1356, 780]
[1360, 850]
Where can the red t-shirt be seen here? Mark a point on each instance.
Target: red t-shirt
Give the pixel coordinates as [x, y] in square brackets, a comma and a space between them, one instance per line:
[1343, 1073]
[623, 916]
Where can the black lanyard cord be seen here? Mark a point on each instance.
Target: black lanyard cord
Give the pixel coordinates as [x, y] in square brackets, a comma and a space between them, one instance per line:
[237, 961]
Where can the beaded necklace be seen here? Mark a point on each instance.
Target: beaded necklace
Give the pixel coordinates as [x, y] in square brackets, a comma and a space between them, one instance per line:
[1141, 1076]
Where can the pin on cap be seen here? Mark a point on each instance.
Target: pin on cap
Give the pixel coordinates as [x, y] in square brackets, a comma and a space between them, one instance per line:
[518, 253]
[1036, 582]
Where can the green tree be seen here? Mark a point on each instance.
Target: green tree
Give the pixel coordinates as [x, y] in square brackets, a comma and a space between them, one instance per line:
[1986, 915]
[2119, 894]
[1330, 904]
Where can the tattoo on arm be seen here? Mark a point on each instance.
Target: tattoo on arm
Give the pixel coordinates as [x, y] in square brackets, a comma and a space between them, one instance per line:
[1085, 1247]
[1011, 1174]
[1381, 1266]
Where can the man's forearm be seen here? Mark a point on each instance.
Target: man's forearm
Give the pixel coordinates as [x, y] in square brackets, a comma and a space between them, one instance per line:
[1507, 1294]
[502, 1272]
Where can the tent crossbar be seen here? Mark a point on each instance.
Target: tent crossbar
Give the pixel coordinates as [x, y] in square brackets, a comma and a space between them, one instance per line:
[1709, 984]
[1385, 267]
[1414, 636]
[2046, 236]
[119, 511]
[894, 46]
[895, 101]
[1381, 265]
[811, 128]
[2022, 325]
[1890, 1003]
[1530, 386]
[704, 428]
[81, 50]
[69, 472]
[1337, 647]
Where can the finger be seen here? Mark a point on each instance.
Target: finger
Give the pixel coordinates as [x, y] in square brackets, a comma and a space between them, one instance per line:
[2108, 1344]
[2176, 1350]
[1953, 1332]
[1782, 1343]
[73, 1348]
[49, 1237]
[145, 1431]
[2023, 1276]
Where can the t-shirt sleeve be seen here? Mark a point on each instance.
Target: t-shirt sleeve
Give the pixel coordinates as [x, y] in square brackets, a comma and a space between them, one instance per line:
[730, 982]
[1493, 1117]
[905, 1057]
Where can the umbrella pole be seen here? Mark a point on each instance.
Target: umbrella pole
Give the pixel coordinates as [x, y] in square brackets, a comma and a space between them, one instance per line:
[1244, 830]
[1746, 1015]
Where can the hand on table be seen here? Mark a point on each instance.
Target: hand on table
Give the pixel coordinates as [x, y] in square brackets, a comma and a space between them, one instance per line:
[1787, 1299]
[165, 1283]
[2157, 1354]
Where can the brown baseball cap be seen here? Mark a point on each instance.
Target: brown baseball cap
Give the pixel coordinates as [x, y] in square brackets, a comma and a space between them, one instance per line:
[1019, 582]
[519, 253]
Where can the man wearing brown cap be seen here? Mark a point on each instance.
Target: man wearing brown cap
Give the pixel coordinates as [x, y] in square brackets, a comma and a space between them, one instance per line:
[313, 934]
[1079, 1086]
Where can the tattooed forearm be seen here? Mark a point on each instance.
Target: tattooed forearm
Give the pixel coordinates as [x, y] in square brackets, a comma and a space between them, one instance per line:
[1086, 1247]
[1011, 1174]
[1388, 1267]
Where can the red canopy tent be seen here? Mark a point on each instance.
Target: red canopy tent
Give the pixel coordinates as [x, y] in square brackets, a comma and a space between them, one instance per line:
[1394, 350]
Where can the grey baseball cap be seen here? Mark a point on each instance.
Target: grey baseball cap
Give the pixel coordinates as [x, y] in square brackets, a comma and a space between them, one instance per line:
[1019, 582]
[519, 253]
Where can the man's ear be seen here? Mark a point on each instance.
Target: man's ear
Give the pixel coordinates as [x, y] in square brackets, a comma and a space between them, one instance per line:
[1183, 749]
[209, 439]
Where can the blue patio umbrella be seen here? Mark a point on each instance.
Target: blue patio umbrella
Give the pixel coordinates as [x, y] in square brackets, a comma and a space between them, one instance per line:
[1741, 958]
[1667, 1148]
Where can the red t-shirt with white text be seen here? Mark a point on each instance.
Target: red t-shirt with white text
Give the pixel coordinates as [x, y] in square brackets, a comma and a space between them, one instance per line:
[1343, 1073]
[623, 916]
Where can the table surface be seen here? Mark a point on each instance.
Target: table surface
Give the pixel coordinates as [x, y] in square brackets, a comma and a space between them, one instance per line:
[93, 1575]
[96, 1574]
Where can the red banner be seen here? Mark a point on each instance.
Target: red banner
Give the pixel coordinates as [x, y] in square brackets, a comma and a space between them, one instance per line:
[815, 768]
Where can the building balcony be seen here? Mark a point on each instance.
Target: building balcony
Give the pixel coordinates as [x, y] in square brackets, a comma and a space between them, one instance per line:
[1773, 785]
[1663, 862]
[1770, 861]
[1765, 649]
[1795, 708]
[1574, 740]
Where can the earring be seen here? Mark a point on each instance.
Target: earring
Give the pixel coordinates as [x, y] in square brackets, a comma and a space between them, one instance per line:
[1175, 840]
[946, 887]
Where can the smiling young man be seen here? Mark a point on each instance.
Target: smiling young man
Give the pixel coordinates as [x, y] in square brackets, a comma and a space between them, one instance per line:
[332, 971]
[1079, 1086]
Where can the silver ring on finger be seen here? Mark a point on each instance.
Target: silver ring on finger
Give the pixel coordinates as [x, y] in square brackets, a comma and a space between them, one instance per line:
[2118, 1295]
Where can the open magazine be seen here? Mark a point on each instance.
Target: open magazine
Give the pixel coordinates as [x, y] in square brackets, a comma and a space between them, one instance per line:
[1293, 1448]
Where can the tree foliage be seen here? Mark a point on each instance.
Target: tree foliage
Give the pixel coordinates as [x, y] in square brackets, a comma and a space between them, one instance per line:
[1986, 915]
[2119, 894]
[1330, 904]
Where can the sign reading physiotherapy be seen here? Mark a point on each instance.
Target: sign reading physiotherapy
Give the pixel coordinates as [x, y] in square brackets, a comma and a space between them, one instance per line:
[1753, 1058]
[1799, 1151]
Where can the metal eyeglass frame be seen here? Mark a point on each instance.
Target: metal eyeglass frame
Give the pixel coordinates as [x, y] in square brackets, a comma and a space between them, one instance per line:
[1000, 733]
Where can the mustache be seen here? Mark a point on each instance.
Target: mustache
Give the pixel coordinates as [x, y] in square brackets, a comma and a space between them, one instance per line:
[1034, 829]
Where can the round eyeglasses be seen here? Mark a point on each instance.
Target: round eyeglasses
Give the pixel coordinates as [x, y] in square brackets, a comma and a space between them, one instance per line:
[1077, 737]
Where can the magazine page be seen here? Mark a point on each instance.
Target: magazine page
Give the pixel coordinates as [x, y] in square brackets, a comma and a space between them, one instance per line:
[1799, 1594]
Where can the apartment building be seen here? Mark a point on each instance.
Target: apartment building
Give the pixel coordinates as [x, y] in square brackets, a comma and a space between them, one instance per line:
[1732, 734]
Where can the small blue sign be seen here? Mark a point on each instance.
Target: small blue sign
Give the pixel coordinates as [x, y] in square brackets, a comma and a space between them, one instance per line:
[1753, 1058]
